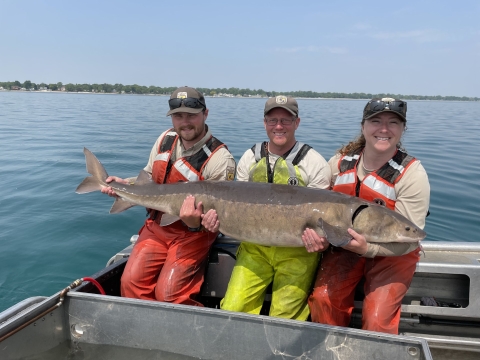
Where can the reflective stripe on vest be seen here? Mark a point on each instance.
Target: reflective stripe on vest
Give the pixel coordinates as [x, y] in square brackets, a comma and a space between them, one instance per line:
[162, 157]
[285, 170]
[396, 166]
[292, 169]
[189, 174]
[378, 186]
[257, 150]
[207, 150]
[346, 178]
[187, 168]
[350, 158]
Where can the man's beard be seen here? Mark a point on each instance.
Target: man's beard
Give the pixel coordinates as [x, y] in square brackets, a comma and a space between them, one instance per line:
[191, 135]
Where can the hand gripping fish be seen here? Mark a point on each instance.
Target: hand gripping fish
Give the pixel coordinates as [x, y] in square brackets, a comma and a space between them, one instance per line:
[261, 213]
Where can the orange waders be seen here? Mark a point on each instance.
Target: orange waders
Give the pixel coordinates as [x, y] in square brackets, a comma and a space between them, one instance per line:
[386, 278]
[386, 281]
[167, 264]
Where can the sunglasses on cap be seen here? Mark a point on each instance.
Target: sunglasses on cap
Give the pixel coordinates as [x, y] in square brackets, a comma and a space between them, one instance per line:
[192, 103]
[375, 106]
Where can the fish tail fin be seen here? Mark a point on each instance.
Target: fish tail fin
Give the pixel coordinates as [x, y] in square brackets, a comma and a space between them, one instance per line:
[96, 169]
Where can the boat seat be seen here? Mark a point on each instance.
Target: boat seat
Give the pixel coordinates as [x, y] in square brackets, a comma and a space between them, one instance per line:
[446, 271]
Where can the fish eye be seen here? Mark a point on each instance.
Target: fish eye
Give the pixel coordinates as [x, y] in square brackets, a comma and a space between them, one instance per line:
[407, 228]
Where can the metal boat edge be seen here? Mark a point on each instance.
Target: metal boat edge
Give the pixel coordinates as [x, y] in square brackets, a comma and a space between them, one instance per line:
[150, 328]
[448, 272]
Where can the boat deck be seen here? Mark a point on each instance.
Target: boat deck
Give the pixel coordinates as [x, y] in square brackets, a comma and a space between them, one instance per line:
[447, 272]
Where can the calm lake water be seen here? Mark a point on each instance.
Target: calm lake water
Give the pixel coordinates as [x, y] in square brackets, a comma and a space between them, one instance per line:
[51, 236]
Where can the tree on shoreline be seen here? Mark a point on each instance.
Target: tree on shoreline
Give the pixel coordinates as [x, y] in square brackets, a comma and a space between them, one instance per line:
[155, 90]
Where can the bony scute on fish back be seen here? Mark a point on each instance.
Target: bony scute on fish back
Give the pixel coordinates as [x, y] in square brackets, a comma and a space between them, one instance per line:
[380, 225]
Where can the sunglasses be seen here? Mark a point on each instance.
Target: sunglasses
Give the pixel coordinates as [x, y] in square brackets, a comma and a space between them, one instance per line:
[374, 106]
[192, 103]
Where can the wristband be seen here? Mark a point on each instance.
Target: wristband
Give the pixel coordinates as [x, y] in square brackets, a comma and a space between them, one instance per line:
[197, 229]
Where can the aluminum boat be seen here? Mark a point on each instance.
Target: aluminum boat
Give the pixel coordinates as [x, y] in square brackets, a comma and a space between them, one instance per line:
[440, 319]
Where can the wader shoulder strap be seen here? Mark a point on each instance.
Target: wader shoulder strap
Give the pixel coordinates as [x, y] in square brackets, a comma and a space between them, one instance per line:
[395, 167]
[198, 159]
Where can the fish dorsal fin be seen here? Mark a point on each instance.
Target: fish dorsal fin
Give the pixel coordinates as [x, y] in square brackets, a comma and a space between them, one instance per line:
[168, 219]
[143, 178]
[335, 235]
[120, 205]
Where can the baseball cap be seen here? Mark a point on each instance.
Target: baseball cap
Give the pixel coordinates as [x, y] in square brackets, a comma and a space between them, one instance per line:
[281, 101]
[186, 99]
[379, 105]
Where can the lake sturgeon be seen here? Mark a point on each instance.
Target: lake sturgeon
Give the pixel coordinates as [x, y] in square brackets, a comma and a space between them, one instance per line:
[261, 213]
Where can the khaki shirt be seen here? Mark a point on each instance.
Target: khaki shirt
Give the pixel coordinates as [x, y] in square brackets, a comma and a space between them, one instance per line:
[413, 200]
[313, 168]
[221, 165]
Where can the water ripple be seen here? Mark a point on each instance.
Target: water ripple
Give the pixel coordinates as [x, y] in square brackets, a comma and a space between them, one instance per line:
[50, 235]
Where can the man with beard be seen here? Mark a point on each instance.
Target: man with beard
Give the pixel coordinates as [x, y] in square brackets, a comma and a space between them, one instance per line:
[168, 260]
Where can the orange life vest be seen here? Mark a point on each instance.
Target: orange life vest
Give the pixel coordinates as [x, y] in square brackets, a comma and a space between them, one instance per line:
[188, 168]
[379, 185]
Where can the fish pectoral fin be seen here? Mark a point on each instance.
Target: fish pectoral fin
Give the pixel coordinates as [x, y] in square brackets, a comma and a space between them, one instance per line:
[143, 178]
[320, 232]
[168, 219]
[120, 205]
[335, 235]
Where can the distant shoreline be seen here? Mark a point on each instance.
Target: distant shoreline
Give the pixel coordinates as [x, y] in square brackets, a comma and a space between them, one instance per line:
[233, 92]
[218, 97]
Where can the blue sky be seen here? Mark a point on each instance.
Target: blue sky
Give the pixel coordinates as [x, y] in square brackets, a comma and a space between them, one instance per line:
[404, 47]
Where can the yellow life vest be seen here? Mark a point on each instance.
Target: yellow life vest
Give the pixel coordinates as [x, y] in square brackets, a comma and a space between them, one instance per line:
[285, 171]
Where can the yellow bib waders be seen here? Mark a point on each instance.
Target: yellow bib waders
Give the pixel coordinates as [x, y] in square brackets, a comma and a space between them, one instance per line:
[291, 270]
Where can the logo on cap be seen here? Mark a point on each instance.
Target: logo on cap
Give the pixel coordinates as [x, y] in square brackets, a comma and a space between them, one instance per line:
[281, 99]
[182, 95]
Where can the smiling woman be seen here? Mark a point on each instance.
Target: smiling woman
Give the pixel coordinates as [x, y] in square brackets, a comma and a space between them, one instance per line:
[374, 168]
[382, 132]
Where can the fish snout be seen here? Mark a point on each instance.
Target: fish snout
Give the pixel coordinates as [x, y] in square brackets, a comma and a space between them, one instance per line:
[415, 232]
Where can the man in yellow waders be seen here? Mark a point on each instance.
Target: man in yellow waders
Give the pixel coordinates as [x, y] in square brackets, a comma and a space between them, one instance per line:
[291, 270]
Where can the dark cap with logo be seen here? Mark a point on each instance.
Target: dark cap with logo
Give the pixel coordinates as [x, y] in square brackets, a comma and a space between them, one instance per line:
[380, 105]
[281, 101]
[186, 99]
